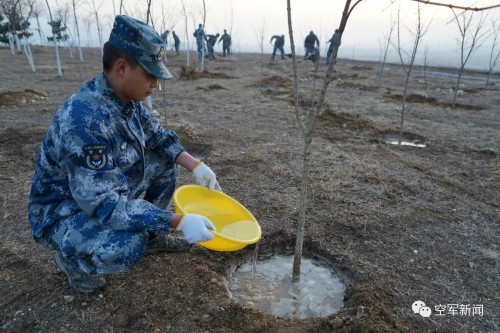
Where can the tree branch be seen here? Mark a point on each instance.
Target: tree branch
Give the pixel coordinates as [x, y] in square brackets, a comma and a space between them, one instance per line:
[476, 9]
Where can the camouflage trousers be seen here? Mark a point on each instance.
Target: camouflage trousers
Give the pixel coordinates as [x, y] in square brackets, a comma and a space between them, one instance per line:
[282, 51]
[97, 250]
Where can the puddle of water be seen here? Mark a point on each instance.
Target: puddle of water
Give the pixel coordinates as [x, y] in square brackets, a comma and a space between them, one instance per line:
[407, 143]
[267, 286]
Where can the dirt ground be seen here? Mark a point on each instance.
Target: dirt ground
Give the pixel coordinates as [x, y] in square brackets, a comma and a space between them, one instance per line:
[399, 223]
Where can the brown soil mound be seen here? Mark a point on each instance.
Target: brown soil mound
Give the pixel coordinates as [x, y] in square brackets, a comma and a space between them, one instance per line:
[13, 98]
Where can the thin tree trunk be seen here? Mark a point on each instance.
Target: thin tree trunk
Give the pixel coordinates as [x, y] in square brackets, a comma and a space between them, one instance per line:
[186, 32]
[307, 128]
[11, 44]
[148, 12]
[18, 42]
[384, 59]
[99, 28]
[40, 33]
[149, 101]
[58, 60]
[304, 184]
[27, 50]
[403, 108]
[493, 59]
[78, 31]
[476, 40]
[418, 36]
[202, 62]
[299, 241]
[457, 85]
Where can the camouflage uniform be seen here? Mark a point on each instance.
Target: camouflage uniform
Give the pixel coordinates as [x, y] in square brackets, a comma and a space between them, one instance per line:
[200, 41]
[211, 40]
[333, 41]
[278, 45]
[97, 157]
[177, 42]
[309, 44]
[226, 43]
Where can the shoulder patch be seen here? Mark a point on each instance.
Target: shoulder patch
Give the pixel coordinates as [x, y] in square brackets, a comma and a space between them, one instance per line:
[96, 156]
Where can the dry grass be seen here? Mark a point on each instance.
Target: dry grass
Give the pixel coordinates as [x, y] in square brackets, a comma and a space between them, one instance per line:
[188, 73]
[399, 223]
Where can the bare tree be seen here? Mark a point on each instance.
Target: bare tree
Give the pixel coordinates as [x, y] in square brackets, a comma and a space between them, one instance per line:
[494, 53]
[96, 9]
[26, 13]
[87, 23]
[74, 4]
[53, 25]
[204, 14]
[169, 16]
[260, 40]
[452, 6]
[62, 15]
[307, 120]
[472, 37]
[388, 38]
[426, 62]
[408, 59]
[37, 12]
[184, 13]
[201, 65]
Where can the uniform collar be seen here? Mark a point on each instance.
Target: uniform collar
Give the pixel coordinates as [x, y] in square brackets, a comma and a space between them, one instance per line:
[105, 89]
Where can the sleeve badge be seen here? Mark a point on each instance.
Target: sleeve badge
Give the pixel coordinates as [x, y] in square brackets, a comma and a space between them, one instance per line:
[95, 156]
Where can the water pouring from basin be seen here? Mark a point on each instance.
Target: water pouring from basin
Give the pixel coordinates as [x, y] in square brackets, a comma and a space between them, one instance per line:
[235, 226]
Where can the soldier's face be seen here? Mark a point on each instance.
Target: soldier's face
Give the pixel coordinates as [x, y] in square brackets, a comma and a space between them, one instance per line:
[139, 84]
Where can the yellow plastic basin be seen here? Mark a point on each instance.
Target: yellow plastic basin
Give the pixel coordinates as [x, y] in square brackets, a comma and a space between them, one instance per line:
[235, 225]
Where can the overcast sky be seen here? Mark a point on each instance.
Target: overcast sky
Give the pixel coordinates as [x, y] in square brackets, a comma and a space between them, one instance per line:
[248, 20]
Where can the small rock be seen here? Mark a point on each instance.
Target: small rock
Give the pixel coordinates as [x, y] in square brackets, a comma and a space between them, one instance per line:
[215, 87]
[69, 298]
[121, 320]
[336, 322]
[488, 151]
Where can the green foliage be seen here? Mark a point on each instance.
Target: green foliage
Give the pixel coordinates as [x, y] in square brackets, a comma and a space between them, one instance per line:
[16, 25]
[58, 31]
[4, 29]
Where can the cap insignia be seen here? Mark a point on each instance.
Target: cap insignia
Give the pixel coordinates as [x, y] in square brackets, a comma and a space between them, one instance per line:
[160, 54]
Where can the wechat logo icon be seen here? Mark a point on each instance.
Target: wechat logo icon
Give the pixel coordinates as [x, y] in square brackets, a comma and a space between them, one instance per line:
[420, 308]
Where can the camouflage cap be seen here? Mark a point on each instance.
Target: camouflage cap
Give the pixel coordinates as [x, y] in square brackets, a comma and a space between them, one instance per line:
[142, 42]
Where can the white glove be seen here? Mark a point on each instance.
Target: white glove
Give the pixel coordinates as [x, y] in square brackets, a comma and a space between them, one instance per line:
[206, 177]
[195, 228]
